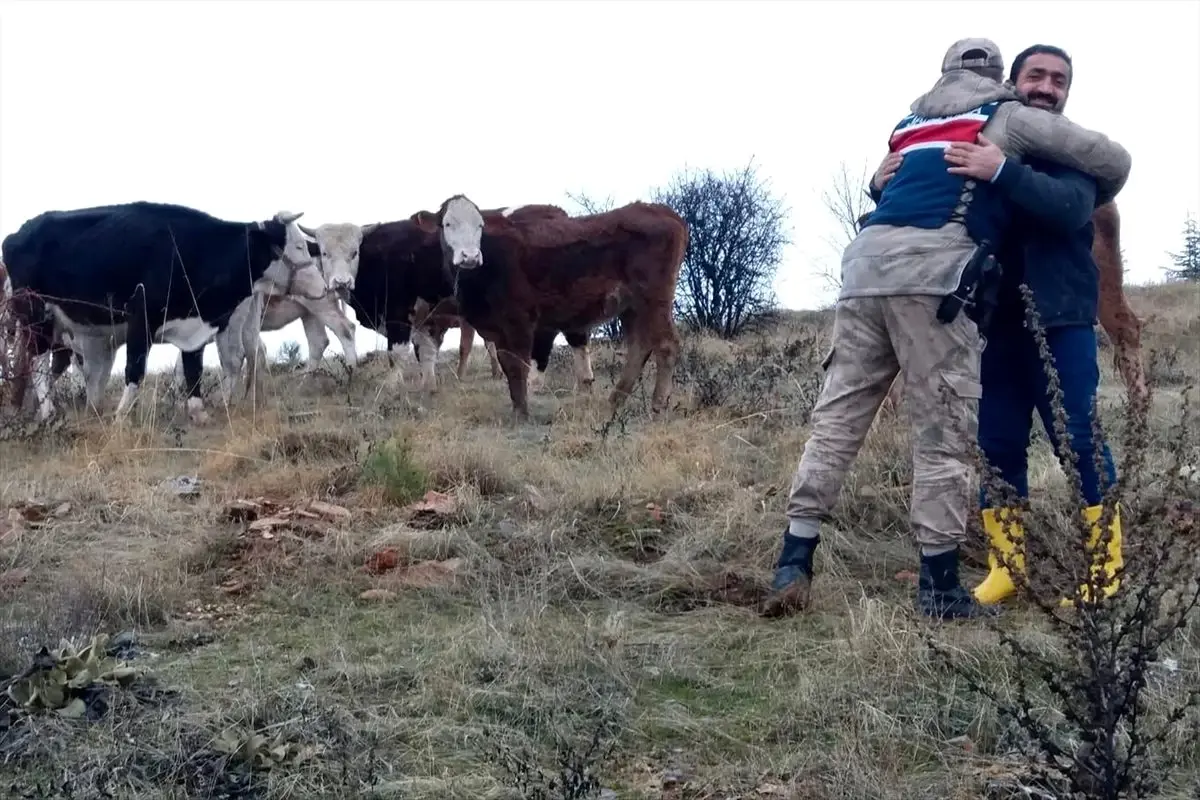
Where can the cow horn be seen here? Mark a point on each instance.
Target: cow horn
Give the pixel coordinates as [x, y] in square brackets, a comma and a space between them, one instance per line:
[288, 217]
[308, 231]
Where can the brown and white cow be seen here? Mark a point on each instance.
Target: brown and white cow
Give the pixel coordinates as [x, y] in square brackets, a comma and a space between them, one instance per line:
[400, 280]
[446, 314]
[514, 277]
[1116, 316]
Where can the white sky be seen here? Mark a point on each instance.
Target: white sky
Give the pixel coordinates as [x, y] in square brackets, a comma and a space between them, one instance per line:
[369, 111]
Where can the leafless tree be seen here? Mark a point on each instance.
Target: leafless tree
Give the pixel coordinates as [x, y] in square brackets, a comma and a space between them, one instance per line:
[735, 244]
[846, 200]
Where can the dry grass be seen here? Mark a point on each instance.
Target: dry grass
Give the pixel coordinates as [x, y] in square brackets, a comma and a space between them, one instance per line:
[606, 587]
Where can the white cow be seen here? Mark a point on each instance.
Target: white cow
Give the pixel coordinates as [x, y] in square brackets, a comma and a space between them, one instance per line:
[335, 247]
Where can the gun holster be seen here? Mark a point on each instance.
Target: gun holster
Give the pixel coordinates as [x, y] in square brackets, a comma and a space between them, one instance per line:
[977, 289]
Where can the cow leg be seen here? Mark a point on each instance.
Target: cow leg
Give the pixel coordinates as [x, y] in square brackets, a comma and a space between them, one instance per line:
[35, 346]
[97, 355]
[332, 317]
[137, 348]
[514, 355]
[466, 340]
[252, 346]
[193, 370]
[398, 337]
[232, 357]
[493, 358]
[61, 354]
[666, 353]
[314, 332]
[1116, 317]
[584, 378]
[25, 349]
[424, 340]
[42, 384]
[1124, 329]
[543, 346]
[637, 353]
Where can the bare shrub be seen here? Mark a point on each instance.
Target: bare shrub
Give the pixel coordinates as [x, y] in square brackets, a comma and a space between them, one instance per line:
[1093, 700]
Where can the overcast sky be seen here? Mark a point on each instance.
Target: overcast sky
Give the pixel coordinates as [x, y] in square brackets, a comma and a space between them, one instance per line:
[369, 111]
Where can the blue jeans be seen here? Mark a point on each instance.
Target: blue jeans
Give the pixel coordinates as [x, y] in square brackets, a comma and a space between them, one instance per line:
[1015, 384]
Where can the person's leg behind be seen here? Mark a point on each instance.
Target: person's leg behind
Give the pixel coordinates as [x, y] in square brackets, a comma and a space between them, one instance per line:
[1074, 353]
[858, 372]
[1005, 421]
[940, 363]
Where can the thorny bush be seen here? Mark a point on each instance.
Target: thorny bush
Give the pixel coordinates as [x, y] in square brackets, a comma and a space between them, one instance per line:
[1094, 701]
[776, 381]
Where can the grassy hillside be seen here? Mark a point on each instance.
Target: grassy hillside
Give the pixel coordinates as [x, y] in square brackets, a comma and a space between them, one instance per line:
[574, 580]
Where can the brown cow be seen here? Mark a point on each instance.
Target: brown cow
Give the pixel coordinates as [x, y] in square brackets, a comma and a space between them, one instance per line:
[513, 277]
[437, 320]
[399, 275]
[1117, 319]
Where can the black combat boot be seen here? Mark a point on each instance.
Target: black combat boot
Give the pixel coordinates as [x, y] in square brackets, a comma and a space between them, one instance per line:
[793, 576]
[940, 595]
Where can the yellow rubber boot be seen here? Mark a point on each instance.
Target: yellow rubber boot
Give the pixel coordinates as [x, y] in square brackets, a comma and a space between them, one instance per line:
[998, 585]
[1114, 561]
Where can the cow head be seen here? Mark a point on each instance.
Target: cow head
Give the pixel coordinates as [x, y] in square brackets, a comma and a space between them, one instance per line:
[337, 246]
[461, 227]
[294, 269]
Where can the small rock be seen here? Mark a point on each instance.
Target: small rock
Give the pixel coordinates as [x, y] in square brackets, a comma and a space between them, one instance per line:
[13, 578]
[377, 594]
[385, 560]
[963, 742]
[672, 776]
[182, 486]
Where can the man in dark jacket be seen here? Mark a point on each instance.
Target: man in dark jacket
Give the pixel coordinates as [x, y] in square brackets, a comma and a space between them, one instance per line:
[1051, 252]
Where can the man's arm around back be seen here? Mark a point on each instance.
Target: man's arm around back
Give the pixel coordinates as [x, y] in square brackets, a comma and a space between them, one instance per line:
[1061, 197]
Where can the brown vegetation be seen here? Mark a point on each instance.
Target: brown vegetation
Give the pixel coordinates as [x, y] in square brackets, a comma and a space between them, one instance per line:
[407, 596]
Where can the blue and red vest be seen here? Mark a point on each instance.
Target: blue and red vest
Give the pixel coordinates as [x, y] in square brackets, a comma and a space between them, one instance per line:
[923, 194]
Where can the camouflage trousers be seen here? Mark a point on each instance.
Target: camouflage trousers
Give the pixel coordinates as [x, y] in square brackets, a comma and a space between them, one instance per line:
[874, 338]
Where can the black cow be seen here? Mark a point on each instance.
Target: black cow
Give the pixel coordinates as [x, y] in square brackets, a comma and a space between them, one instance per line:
[146, 273]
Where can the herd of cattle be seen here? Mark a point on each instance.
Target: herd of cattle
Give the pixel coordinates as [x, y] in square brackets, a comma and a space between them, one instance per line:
[80, 284]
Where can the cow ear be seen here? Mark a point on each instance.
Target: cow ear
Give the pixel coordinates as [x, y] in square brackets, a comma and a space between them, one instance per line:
[425, 220]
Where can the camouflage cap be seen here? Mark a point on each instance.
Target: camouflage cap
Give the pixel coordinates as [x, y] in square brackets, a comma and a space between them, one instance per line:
[981, 56]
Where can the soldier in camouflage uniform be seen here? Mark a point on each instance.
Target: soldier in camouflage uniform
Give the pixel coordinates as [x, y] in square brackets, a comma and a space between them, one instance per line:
[910, 254]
